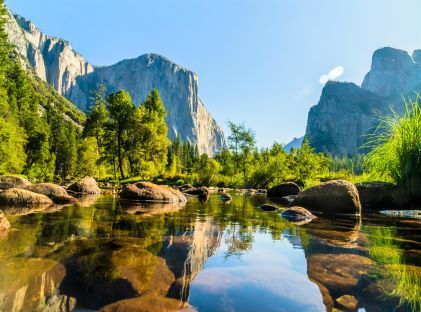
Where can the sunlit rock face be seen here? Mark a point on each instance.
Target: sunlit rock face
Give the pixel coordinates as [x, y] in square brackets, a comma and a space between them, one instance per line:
[55, 61]
[52, 59]
[187, 254]
[346, 113]
[393, 72]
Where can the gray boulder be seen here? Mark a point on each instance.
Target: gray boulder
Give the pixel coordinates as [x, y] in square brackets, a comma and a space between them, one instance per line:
[284, 189]
[298, 214]
[332, 197]
[382, 195]
[7, 182]
[146, 191]
[57, 193]
[20, 197]
[87, 185]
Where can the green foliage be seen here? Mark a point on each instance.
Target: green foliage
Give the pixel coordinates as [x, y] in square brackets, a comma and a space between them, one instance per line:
[128, 139]
[396, 149]
[207, 169]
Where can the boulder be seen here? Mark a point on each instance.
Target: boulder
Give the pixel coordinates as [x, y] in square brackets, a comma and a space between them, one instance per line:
[297, 214]
[57, 193]
[268, 207]
[284, 189]
[382, 195]
[146, 191]
[87, 185]
[19, 197]
[332, 197]
[4, 225]
[202, 192]
[7, 182]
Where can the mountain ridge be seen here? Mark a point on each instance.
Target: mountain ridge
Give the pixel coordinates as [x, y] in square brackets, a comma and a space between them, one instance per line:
[346, 113]
[55, 61]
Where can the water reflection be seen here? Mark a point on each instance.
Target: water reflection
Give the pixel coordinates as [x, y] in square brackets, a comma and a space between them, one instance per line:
[105, 254]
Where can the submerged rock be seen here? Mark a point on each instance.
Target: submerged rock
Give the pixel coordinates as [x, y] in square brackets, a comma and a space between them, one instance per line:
[146, 191]
[87, 185]
[7, 182]
[382, 195]
[268, 207]
[202, 192]
[332, 197]
[225, 197]
[57, 193]
[298, 214]
[284, 189]
[19, 197]
[347, 301]
[4, 225]
[144, 304]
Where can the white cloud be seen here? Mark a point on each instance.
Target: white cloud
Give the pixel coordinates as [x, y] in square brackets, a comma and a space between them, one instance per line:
[332, 75]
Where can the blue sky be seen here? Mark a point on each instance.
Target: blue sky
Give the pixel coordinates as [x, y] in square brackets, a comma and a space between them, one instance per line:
[258, 61]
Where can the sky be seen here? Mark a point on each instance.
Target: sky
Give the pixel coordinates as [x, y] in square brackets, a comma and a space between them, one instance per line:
[261, 62]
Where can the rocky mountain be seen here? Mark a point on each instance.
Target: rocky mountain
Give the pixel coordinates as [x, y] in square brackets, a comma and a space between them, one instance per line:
[346, 113]
[55, 62]
[295, 143]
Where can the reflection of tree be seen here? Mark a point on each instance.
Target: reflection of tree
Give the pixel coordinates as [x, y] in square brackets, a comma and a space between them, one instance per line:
[384, 246]
[238, 240]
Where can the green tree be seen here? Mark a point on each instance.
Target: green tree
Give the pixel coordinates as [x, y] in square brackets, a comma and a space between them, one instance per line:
[242, 143]
[121, 110]
[148, 144]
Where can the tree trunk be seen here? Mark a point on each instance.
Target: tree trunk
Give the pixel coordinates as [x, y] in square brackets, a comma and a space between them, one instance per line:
[120, 161]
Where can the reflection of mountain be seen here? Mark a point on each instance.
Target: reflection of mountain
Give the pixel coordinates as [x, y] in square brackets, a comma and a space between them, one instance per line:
[31, 285]
[187, 253]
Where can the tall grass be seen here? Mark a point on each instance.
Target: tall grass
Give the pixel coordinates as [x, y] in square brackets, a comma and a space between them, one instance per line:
[396, 149]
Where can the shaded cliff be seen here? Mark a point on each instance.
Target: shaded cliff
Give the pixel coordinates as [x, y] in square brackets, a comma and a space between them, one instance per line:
[346, 113]
[55, 62]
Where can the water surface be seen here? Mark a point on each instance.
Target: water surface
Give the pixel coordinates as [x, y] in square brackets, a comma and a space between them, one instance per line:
[109, 255]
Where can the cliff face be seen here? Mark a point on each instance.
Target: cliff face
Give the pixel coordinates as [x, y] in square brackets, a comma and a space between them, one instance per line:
[52, 59]
[393, 72]
[186, 114]
[346, 113]
[55, 62]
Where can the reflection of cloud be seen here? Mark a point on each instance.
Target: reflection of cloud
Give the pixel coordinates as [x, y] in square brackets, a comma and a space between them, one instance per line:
[294, 286]
[332, 74]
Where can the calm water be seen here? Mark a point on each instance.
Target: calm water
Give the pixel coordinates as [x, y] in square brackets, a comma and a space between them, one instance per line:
[104, 254]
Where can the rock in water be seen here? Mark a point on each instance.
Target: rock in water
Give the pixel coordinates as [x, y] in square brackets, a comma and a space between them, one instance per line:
[87, 185]
[55, 61]
[268, 207]
[7, 182]
[298, 214]
[284, 189]
[146, 191]
[4, 225]
[226, 197]
[57, 193]
[382, 195]
[332, 197]
[19, 197]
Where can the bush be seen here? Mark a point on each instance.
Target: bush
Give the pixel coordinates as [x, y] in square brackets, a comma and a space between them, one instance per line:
[396, 149]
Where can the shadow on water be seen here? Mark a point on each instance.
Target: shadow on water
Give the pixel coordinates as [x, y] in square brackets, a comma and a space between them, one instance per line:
[109, 255]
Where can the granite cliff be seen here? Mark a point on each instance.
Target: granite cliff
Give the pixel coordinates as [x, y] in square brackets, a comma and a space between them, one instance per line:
[55, 62]
[346, 113]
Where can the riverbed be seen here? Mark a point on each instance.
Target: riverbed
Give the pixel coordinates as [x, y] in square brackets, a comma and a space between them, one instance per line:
[107, 254]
